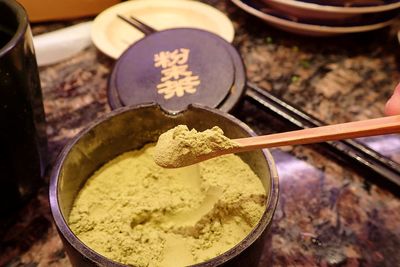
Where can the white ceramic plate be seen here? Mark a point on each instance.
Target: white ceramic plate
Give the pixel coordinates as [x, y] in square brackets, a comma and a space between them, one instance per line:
[308, 29]
[113, 36]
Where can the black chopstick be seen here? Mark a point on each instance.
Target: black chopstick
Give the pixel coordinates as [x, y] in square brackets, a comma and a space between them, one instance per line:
[350, 151]
[146, 29]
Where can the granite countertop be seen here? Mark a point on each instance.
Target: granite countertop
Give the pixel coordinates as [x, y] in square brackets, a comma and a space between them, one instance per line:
[327, 215]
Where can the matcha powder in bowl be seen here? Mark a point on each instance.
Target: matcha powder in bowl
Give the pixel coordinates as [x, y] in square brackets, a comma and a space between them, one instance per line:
[137, 213]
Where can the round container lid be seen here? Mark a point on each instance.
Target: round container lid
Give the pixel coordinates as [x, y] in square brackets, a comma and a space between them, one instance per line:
[174, 68]
[237, 89]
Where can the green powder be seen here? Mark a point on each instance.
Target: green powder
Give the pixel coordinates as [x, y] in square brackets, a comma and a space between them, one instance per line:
[180, 146]
[137, 213]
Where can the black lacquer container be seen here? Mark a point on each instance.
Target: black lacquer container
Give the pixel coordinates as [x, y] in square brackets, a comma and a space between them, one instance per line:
[130, 128]
[22, 125]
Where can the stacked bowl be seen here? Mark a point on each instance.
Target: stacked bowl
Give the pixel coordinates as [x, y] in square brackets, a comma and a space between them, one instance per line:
[323, 17]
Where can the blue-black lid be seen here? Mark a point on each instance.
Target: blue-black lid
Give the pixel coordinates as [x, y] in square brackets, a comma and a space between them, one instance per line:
[178, 67]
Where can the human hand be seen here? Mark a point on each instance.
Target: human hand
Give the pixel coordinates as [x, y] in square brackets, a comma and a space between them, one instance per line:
[393, 104]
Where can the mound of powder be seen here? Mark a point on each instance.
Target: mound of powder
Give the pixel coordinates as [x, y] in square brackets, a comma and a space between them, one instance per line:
[137, 213]
[180, 146]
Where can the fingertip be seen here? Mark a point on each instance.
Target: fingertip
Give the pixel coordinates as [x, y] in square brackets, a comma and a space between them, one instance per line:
[393, 105]
[388, 109]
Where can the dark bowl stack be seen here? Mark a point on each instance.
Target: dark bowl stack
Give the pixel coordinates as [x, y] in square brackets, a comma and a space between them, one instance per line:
[317, 17]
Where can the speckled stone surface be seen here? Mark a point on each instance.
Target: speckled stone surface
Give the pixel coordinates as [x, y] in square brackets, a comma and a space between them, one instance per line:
[327, 214]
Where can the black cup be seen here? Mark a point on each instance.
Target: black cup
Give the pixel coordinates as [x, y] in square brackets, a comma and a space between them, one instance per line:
[23, 141]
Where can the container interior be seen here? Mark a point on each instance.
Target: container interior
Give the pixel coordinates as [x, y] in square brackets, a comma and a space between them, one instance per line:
[132, 130]
[8, 23]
